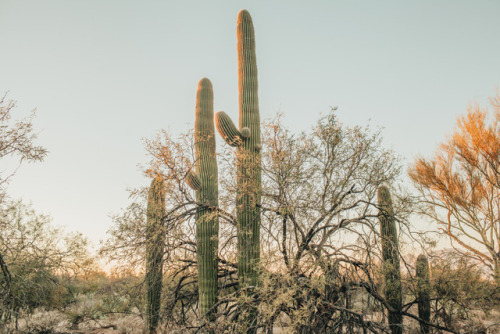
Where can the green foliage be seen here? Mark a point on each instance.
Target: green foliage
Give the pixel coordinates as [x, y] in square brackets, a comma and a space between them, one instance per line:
[459, 289]
[40, 259]
[98, 296]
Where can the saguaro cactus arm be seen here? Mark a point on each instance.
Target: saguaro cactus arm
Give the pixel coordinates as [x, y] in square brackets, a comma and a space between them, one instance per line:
[193, 180]
[227, 129]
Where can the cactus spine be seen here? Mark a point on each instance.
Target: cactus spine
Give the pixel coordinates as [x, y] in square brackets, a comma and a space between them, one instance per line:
[205, 182]
[423, 292]
[247, 139]
[390, 255]
[155, 240]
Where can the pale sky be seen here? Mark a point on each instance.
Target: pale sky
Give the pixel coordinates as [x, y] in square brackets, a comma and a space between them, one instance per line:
[104, 74]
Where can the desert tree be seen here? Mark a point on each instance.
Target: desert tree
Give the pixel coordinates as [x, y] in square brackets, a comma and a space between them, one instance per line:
[17, 141]
[321, 253]
[40, 258]
[319, 217]
[460, 185]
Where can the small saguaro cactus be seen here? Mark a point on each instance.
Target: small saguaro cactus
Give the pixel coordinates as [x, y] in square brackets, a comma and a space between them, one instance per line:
[423, 292]
[155, 241]
[205, 182]
[390, 257]
[247, 141]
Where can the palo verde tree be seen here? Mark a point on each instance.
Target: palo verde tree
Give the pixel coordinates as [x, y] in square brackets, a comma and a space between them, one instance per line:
[460, 186]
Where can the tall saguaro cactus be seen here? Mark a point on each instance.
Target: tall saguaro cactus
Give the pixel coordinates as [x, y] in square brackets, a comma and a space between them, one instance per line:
[423, 292]
[390, 255]
[155, 241]
[247, 139]
[205, 182]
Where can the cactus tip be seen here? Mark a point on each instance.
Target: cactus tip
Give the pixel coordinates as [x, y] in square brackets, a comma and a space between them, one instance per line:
[244, 18]
[205, 82]
[243, 13]
[384, 194]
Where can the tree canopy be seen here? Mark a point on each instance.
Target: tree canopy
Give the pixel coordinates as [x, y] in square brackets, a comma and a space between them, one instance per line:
[460, 185]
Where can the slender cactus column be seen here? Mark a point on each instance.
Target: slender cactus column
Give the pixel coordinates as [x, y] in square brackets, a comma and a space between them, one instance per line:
[390, 255]
[205, 182]
[247, 139]
[249, 169]
[423, 292]
[155, 241]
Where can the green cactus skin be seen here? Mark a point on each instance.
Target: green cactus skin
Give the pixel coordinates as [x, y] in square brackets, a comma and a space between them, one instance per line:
[249, 161]
[248, 155]
[248, 171]
[155, 241]
[193, 180]
[207, 192]
[227, 129]
[390, 255]
[423, 292]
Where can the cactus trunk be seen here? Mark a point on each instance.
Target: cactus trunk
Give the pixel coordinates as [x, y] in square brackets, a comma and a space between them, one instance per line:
[155, 240]
[249, 160]
[496, 275]
[207, 223]
[390, 255]
[247, 139]
[423, 292]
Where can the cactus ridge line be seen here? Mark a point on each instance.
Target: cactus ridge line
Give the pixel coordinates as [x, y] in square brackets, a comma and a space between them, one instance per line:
[390, 256]
[227, 129]
[207, 224]
[155, 241]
